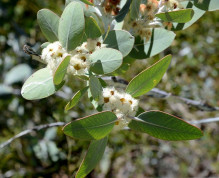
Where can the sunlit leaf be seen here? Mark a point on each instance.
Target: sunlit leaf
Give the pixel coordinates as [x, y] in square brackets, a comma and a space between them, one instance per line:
[93, 127]
[149, 78]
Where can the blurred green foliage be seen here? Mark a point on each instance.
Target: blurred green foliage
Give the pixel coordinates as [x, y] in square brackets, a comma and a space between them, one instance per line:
[194, 73]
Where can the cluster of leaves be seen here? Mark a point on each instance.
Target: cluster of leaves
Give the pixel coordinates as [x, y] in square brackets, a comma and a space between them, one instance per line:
[105, 61]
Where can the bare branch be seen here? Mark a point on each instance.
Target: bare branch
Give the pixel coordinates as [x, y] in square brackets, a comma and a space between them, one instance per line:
[25, 132]
[157, 93]
[204, 121]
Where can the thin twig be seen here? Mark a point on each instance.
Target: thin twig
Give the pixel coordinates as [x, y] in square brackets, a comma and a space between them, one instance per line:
[204, 121]
[157, 93]
[25, 132]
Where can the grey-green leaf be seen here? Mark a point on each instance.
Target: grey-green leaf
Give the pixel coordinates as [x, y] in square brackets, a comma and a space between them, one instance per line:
[149, 78]
[93, 156]
[39, 85]
[134, 9]
[165, 126]
[105, 60]
[49, 23]
[71, 26]
[180, 16]
[76, 98]
[159, 41]
[120, 40]
[61, 70]
[95, 87]
[93, 127]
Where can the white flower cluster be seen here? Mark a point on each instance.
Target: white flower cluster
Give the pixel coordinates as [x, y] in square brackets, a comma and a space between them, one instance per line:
[120, 103]
[79, 63]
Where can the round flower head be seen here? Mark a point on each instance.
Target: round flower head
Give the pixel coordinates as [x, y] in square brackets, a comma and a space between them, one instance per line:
[120, 103]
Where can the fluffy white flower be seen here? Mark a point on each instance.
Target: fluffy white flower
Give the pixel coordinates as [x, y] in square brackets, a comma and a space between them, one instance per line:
[120, 103]
[79, 63]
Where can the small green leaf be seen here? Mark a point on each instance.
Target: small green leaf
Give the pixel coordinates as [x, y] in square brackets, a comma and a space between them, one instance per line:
[92, 29]
[165, 126]
[39, 85]
[71, 26]
[197, 14]
[180, 16]
[49, 23]
[148, 78]
[105, 60]
[76, 98]
[207, 5]
[160, 40]
[17, 74]
[120, 40]
[61, 70]
[93, 127]
[93, 156]
[95, 87]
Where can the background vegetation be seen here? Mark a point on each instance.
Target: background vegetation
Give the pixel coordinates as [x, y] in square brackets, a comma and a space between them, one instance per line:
[194, 74]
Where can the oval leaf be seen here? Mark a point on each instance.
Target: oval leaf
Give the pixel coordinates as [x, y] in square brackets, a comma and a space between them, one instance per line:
[93, 156]
[148, 78]
[76, 98]
[39, 85]
[71, 26]
[160, 40]
[180, 16]
[134, 9]
[197, 14]
[165, 126]
[61, 70]
[92, 29]
[120, 40]
[93, 127]
[207, 5]
[95, 87]
[105, 60]
[49, 23]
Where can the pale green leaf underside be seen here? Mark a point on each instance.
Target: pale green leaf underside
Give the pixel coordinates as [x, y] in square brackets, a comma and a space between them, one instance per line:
[93, 156]
[160, 40]
[105, 60]
[93, 127]
[197, 14]
[165, 126]
[39, 85]
[120, 40]
[149, 78]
